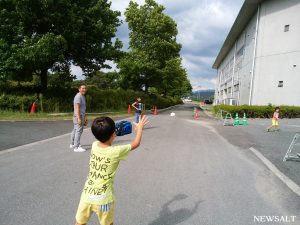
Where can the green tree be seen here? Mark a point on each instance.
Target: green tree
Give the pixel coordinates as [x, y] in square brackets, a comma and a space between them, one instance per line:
[154, 56]
[108, 80]
[38, 35]
[174, 80]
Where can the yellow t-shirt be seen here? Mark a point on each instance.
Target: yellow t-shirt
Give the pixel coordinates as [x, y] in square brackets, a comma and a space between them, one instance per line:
[99, 186]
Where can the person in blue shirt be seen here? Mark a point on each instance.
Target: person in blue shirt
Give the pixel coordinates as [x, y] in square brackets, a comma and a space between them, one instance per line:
[138, 105]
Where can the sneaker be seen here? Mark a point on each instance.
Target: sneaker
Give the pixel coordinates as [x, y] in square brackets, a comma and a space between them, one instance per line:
[73, 146]
[79, 149]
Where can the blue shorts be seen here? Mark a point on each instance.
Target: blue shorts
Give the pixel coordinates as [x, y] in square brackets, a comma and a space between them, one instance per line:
[137, 116]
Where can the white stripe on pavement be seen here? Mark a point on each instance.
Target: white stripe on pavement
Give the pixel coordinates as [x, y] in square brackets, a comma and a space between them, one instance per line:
[287, 181]
[45, 140]
[35, 143]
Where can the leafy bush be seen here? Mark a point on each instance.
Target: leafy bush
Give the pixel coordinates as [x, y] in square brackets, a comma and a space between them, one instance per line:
[16, 103]
[260, 111]
[10, 87]
[18, 88]
[102, 100]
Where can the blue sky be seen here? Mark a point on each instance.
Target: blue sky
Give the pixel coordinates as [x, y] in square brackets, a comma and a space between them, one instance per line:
[202, 28]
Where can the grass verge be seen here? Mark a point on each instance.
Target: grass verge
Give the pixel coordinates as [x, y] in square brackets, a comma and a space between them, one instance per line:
[209, 110]
[24, 116]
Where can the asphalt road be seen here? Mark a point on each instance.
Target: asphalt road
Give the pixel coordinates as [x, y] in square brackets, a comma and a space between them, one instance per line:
[16, 133]
[185, 172]
[273, 145]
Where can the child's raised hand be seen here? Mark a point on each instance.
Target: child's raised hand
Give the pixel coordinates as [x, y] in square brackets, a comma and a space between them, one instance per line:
[143, 121]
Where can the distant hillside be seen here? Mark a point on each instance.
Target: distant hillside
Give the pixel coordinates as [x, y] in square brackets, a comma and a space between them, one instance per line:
[203, 94]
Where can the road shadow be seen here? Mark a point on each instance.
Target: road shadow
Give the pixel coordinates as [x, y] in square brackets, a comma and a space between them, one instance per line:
[149, 128]
[118, 141]
[168, 217]
[87, 147]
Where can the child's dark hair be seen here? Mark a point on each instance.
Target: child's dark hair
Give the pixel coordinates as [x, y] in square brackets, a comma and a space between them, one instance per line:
[277, 108]
[103, 128]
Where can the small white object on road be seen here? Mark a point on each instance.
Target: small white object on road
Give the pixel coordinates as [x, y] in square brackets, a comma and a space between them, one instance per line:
[172, 114]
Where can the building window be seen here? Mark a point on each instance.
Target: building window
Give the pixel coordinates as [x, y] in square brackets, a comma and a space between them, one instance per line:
[280, 83]
[286, 28]
[236, 87]
[239, 59]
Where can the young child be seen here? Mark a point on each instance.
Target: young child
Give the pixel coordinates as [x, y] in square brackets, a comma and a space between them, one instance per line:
[98, 192]
[138, 105]
[274, 120]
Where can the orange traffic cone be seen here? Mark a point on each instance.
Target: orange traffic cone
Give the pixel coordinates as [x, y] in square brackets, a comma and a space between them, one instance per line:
[155, 111]
[32, 110]
[196, 114]
[129, 109]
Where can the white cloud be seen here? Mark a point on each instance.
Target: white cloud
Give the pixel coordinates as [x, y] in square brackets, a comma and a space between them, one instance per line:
[202, 31]
[202, 28]
[76, 70]
[203, 83]
[112, 65]
[198, 61]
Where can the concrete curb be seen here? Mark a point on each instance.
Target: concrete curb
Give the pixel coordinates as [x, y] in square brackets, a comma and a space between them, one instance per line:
[208, 115]
[286, 180]
[62, 114]
[101, 113]
[159, 110]
[59, 114]
[63, 135]
[45, 140]
[166, 109]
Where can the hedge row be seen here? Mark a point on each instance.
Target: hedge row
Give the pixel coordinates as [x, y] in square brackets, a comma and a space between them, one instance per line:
[97, 101]
[20, 103]
[260, 111]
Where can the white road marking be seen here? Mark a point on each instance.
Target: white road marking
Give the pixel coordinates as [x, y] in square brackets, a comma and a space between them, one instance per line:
[287, 181]
[45, 140]
[35, 143]
[293, 125]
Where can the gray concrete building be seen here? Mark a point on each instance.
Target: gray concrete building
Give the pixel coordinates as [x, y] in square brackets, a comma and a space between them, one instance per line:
[259, 62]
